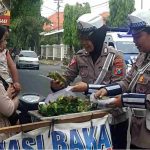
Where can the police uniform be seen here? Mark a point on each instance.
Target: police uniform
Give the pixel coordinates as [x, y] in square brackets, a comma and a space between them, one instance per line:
[82, 65]
[91, 27]
[139, 131]
[137, 84]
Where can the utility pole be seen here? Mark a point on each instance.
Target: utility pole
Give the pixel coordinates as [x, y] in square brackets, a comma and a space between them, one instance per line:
[58, 17]
[58, 21]
[141, 4]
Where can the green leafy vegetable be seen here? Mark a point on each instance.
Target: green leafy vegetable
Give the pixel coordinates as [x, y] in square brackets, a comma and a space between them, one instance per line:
[63, 105]
[57, 76]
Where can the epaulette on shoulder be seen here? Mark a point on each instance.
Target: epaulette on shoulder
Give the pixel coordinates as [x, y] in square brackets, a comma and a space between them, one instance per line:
[140, 56]
[111, 49]
[82, 51]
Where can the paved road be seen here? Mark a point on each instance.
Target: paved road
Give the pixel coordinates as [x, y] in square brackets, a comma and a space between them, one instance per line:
[35, 81]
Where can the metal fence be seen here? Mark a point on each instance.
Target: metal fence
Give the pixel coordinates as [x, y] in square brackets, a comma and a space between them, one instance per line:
[54, 51]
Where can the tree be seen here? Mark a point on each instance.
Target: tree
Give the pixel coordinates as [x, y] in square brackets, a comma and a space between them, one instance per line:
[26, 23]
[71, 14]
[119, 10]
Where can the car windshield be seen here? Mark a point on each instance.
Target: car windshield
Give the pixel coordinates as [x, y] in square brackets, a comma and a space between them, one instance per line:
[28, 54]
[126, 47]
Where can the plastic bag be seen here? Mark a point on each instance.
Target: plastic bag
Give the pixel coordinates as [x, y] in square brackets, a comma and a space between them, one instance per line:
[105, 102]
[64, 92]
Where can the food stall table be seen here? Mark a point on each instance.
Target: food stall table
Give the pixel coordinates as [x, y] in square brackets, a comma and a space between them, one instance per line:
[36, 116]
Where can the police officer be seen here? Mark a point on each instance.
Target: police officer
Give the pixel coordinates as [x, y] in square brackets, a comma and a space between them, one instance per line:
[136, 83]
[89, 62]
[97, 63]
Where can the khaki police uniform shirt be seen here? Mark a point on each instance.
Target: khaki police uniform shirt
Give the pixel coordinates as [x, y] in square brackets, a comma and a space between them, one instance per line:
[140, 135]
[82, 65]
[143, 83]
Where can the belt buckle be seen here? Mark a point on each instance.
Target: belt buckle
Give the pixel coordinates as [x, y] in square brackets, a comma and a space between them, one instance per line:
[138, 112]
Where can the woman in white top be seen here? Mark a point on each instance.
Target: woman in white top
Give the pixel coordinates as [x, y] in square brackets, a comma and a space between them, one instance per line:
[8, 106]
[8, 70]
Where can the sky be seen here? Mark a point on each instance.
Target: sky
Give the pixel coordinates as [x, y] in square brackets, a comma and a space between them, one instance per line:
[97, 6]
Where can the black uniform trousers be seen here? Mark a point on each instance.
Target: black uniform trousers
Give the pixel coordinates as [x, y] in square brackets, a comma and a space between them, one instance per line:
[119, 134]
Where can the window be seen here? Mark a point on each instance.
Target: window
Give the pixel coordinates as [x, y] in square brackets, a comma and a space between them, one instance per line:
[28, 54]
[126, 47]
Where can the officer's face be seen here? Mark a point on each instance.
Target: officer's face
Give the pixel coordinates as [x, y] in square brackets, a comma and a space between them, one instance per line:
[141, 40]
[87, 44]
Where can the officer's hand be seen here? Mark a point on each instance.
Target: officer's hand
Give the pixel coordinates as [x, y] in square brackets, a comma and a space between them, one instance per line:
[110, 102]
[57, 85]
[80, 87]
[100, 93]
[116, 102]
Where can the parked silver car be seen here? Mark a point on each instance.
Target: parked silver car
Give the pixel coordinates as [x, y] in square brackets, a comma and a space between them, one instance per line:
[27, 59]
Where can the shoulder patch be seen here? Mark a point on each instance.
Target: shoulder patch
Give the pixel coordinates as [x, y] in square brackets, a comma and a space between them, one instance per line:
[118, 62]
[73, 62]
[118, 71]
[118, 66]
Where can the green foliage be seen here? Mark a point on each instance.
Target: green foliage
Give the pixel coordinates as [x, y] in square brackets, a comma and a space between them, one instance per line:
[66, 61]
[44, 40]
[26, 23]
[119, 10]
[64, 105]
[71, 14]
